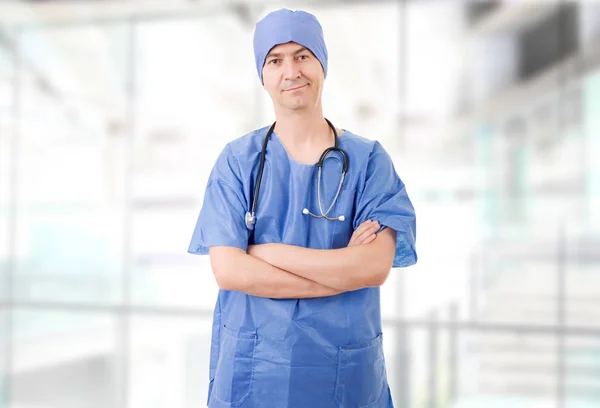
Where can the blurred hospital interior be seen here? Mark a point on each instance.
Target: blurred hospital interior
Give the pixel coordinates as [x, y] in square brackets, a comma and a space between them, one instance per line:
[112, 114]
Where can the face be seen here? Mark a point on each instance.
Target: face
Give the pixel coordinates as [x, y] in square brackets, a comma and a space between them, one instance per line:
[293, 77]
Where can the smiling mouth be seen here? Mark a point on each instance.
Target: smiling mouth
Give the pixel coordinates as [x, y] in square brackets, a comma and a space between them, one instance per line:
[298, 87]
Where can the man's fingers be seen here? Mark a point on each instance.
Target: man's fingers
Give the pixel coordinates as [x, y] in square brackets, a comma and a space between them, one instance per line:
[370, 239]
[362, 235]
[366, 233]
[357, 232]
[363, 227]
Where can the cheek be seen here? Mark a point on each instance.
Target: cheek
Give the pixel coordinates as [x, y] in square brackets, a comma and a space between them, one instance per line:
[316, 80]
[317, 86]
[269, 82]
[270, 87]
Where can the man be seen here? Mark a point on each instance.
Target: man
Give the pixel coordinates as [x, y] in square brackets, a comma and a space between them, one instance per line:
[297, 321]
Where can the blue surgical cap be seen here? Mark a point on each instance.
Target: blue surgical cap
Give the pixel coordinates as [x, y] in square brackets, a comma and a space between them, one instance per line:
[283, 26]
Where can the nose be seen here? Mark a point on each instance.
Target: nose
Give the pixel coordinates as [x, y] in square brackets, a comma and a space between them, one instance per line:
[291, 70]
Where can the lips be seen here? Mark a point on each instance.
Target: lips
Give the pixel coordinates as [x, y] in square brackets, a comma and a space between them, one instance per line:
[297, 87]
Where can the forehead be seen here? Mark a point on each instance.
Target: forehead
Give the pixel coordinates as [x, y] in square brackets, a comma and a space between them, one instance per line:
[287, 48]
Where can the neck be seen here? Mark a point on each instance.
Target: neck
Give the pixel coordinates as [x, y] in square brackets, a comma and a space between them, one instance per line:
[303, 129]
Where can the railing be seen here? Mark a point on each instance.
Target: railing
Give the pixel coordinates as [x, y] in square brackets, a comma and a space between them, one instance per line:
[438, 394]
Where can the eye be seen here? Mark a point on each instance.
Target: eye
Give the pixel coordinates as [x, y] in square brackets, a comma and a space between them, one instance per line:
[273, 61]
[303, 56]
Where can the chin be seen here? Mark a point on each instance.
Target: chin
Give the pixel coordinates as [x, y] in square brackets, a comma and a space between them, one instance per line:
[295, 106]
[301, 102]
[299, 107]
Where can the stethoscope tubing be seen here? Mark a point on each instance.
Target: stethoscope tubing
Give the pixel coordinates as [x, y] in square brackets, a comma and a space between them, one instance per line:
[250, 215]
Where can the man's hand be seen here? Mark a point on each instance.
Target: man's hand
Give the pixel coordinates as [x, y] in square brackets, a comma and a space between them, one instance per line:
[365, 233]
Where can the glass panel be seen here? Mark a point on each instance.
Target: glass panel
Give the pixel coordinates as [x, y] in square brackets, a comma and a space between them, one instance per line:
[192, 99]
[393, 353]
[434, 163]
[509, 369]
[4, 358]
[500, 368]
[483, 137]
[169, 362]
[7, 94]
[164, 274]
[64, 359]
[70, 163]
[362, 85]
[581, 371]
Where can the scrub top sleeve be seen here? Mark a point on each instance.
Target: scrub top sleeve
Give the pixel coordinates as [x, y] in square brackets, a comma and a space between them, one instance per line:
[384, 199]
[222, 218]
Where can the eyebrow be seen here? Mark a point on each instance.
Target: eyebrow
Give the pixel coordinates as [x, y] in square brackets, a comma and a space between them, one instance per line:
[279, 54]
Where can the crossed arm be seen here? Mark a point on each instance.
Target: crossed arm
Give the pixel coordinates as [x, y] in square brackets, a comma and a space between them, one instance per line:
[286, 271]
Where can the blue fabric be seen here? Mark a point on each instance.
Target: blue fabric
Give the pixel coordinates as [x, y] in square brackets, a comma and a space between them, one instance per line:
[283, 26]
[321, 352]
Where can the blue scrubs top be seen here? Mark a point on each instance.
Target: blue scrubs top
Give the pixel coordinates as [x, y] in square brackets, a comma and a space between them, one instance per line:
[300, 353]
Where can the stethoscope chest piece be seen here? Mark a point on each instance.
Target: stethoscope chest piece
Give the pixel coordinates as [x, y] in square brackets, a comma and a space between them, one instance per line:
[250, 220]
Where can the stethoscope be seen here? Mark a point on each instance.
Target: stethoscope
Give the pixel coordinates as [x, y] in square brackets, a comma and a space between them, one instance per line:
[250, 215]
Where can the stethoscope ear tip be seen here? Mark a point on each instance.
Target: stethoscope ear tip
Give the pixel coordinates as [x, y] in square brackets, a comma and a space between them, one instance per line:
[341, 218]
[305, 211]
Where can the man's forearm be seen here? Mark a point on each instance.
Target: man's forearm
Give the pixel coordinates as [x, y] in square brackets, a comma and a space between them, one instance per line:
[344, 269]
[236, 270]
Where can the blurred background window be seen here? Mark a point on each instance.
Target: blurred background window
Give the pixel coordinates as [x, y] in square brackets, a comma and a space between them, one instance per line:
[112, 114]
